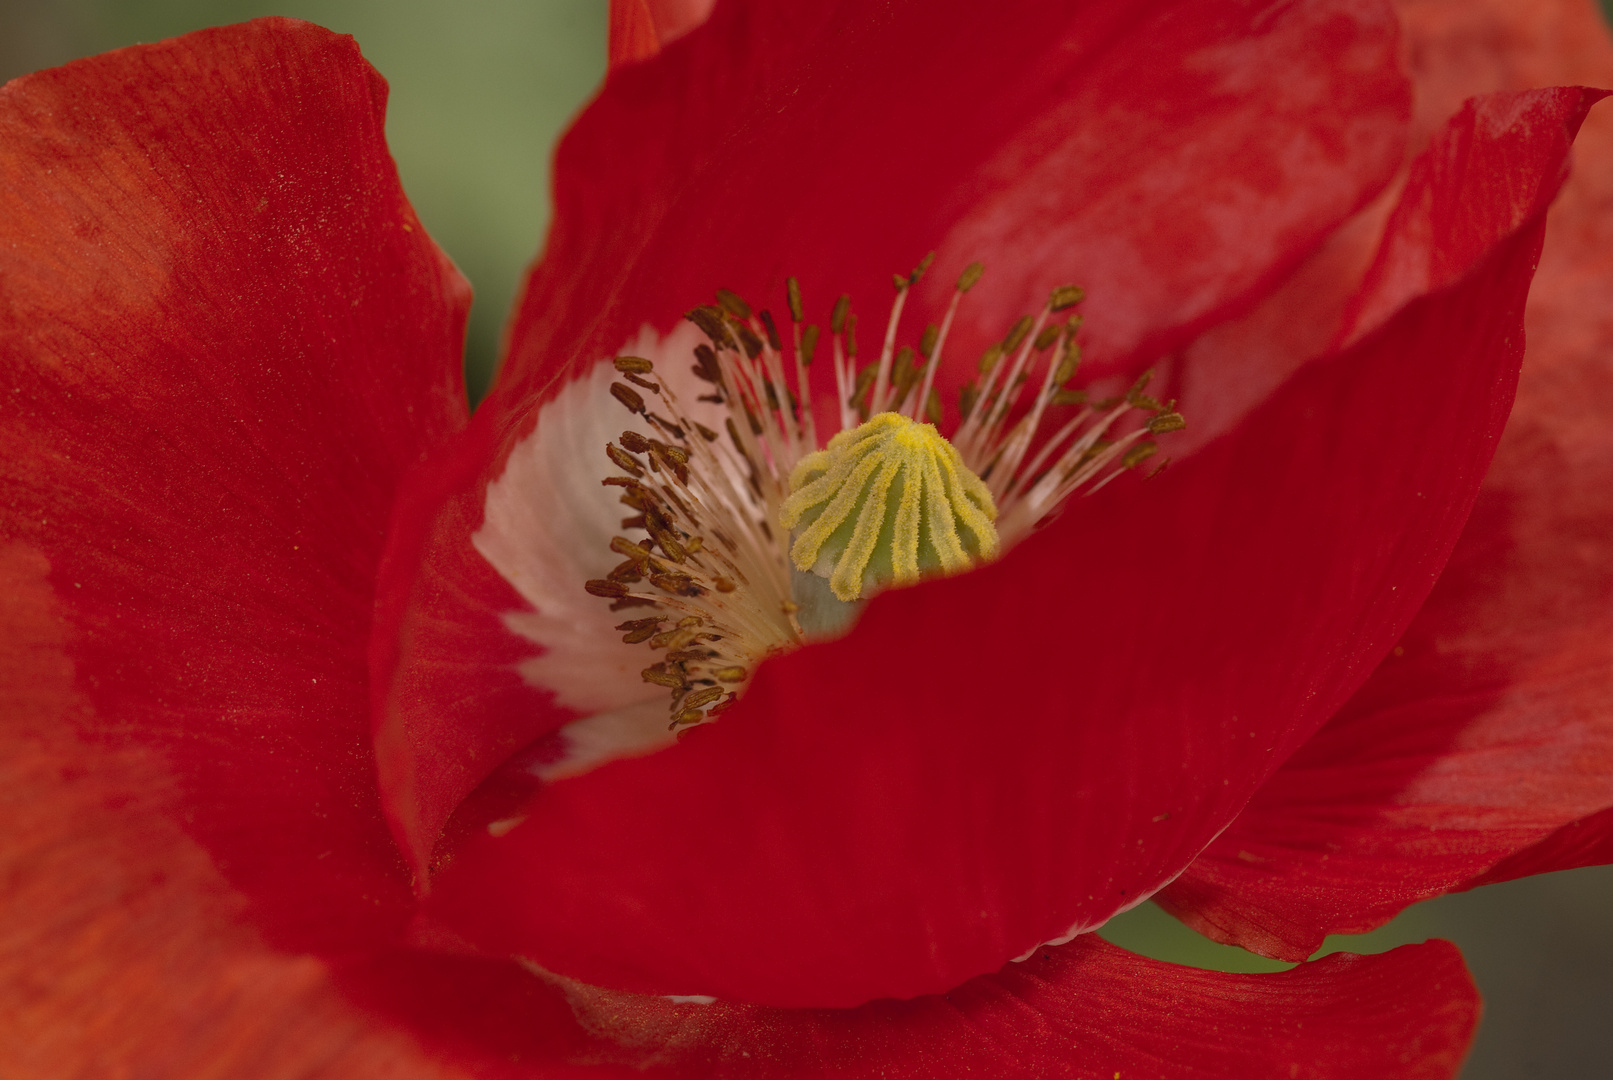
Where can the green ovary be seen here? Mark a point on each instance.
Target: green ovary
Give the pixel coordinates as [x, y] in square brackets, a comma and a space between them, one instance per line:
[889, 502]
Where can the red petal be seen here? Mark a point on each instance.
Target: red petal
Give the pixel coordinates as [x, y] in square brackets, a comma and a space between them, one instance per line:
[1087, 1009]
[850, 830]
[770, 144]
[1491, 730]
[747, 152]
[225, 337]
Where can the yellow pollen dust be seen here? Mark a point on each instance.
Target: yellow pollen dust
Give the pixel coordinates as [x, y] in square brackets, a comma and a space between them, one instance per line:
[888, 502]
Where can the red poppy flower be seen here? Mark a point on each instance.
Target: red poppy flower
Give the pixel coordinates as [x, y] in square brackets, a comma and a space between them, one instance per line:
[277, 707]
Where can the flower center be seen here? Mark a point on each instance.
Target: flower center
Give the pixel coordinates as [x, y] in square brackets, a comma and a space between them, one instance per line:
[758, 541]
[885, 504]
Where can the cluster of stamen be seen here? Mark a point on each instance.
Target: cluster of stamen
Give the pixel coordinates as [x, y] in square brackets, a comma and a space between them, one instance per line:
[714, 571]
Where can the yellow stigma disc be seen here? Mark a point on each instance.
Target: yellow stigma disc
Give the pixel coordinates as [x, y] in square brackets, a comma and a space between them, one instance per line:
[887, 503]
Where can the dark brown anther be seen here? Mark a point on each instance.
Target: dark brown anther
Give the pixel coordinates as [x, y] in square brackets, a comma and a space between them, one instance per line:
[865, 379]
[1171, 421]
[675, 455]
[1050, 333]
[837, 317]
[669, 542]
[661, 531]
[732, 304]
[621, 482]
[623, 546]
[1017, 335]
[686, 718]
[674, 639]
[631, 602]
[927, 340]
[711, 322]
[627, 572]
[662, 675]
[623, 460]
[989, 358]
[899, 281]
[701, 698]
[1066, 296]
[635, 365]
[635, 442]
[705, 432]
[1139, 400]
[809, 344]
[666, 425]
[851, 336]
[639, 630]
[706, 366]
[1139, 454]
[636, 522]
[918, 271]
[792, 292]
[968, 394]
[724, 585]
[647, 384]
[772, 331]
[748, 338]
[1069, 364]
[609, 589]
[627, 396]
[677, 584]
[904, 373]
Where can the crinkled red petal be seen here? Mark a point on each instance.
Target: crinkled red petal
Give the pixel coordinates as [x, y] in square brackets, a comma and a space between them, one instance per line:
[1482, 750]
[992, 760]
[1175, 158]
[225, 337]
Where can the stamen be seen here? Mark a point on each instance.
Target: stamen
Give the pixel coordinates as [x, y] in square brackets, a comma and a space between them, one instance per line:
[759, 541]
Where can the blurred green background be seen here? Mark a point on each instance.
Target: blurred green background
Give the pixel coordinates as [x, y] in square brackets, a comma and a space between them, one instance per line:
[480, 90]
